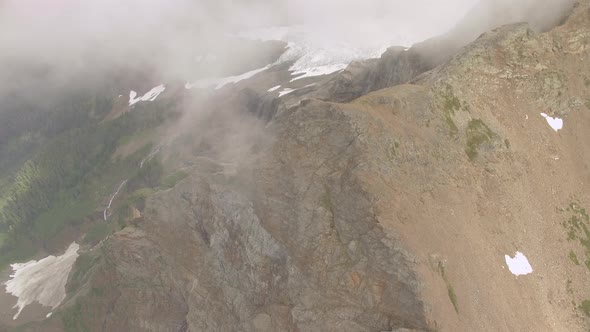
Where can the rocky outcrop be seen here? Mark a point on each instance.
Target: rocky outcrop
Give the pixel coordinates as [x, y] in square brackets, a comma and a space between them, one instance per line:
[398, 65]
[291, 244]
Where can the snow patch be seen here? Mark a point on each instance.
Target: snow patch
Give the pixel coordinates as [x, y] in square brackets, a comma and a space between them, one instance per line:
[285, 91]
[310, 55]
[149, 96]
[221, 82]
[519, 265]
[274, 88]
[315, 56]
[555, 123]
[318, 71]
[43, 281]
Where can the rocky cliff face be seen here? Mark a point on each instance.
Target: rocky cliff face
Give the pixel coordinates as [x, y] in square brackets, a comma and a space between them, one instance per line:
[371, 211]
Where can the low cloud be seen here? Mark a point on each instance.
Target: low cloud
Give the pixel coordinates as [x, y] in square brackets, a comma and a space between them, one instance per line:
[68, 41]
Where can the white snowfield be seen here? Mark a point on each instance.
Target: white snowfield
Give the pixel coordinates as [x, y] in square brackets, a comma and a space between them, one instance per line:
[519, 265]
[318, 71]
[43, 281]
[221, 82]
[310, 56]
[149, 96]
[555, 123]
[285, 92]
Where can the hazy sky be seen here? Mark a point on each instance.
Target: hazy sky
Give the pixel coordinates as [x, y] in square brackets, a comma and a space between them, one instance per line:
[65, 30]
[75, 35]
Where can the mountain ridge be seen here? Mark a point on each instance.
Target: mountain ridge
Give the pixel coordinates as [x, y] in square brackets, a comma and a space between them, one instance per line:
[381, 198]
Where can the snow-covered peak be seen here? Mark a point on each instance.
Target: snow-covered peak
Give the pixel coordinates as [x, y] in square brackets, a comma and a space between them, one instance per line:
[317, 49]
[310, 53]
[310, 56]
[315, 54]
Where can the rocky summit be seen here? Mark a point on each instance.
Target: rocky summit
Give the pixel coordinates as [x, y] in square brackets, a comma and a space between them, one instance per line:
[441, 187]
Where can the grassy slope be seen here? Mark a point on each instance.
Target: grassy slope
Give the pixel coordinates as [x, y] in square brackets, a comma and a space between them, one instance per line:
[77, 197]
